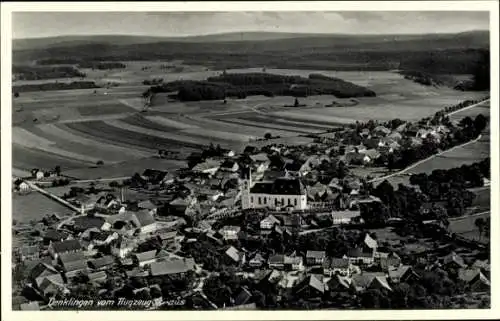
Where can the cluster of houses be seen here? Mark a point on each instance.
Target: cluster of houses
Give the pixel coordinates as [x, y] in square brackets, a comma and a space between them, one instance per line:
[298, 186]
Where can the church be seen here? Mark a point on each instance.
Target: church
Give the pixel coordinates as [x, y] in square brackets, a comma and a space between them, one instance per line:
[281, 193]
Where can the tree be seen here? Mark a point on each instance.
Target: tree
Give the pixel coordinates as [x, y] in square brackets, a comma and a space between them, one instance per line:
[480, 224]
[16, 95]
[99, 163]
[480, 123]
[268, 136]
[57, 169]
[296, 103]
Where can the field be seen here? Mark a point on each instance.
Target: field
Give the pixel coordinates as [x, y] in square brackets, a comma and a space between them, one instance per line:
[34, 206]
[77, 128]
[465, 227]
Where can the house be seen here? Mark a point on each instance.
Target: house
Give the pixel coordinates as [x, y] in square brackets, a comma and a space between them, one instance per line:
[148, 205]
[167, 238]
[454, 260]
[29, 252]
[392, 260]
[123, 247]
[256, 261]
[315, 257]
[250, 150]
[52, 285]
[40, 271]
[172, 267]
[269, 222]
[344, 217]
[83, 223]
[281, 193]
[31, 306]
[311, 286]
[340, 266]
[243, 297]
[381, 131]
[281, 261]
[146, 221]
[369, 280]
[339, 283]
[210, 166]
[372, 154]
[474, 279]
[235, 255]
[402, 273]
[101, 263]
[144, 258]
[97, 277]
[154, 176]
[104, 238]
[370, 242]
[356, 158]
[52, 235]
[360, 256]
[69, 246]
[230, 232]
[73, 268]
[229, 166]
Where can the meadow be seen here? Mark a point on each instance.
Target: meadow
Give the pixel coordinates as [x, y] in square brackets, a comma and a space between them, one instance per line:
[77, 128]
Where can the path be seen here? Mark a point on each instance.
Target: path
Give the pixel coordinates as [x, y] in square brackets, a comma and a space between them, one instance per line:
[468, 107]
[403, 171]
[54, 197]
[467, 216]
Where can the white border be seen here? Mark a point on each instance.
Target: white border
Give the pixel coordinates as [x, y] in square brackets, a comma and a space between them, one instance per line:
[8, 8]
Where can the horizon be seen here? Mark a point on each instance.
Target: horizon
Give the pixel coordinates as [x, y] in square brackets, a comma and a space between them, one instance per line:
[30, 25]
[254, 32]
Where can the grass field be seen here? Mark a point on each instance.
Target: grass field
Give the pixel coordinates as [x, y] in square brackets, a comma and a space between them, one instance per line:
[76, 128]
[124, 169]
[465, 227]
[34, 206]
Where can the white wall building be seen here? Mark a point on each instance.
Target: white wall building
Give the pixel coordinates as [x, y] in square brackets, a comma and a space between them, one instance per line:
[282, 193]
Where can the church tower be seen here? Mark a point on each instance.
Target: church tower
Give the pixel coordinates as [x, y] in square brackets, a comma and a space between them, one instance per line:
[245, 187]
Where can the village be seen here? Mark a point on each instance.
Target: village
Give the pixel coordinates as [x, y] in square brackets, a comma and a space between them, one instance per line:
[290, 226]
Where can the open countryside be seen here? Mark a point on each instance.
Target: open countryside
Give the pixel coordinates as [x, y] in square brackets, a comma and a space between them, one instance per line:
[280, 172]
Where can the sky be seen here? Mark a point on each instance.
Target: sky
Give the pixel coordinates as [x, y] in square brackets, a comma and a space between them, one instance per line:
[173, 24]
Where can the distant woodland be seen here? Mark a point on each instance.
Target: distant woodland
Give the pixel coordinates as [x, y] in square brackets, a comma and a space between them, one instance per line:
[54, 86]
[242, 85]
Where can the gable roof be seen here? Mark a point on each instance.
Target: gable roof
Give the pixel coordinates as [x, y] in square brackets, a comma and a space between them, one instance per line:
[271, 219]
[66, 246]
[316, 254]
[260, 157]
[281, 186]
[144, 218]
[103, 261]
[146, 256]
[75, 265]
[243, 297]
[316, 282]
[71, 257]
[31, 306]
[370, 242]
[341, 263]
[172, 267]
[233, 253]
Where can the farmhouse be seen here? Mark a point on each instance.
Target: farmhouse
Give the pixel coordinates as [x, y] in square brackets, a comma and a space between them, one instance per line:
[281, 193]
[344, 217]
[210, 166]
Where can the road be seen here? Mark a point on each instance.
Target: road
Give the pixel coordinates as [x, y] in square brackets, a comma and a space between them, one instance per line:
[468, 107]
[403, 171]
[467, 216]
[54, 197]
